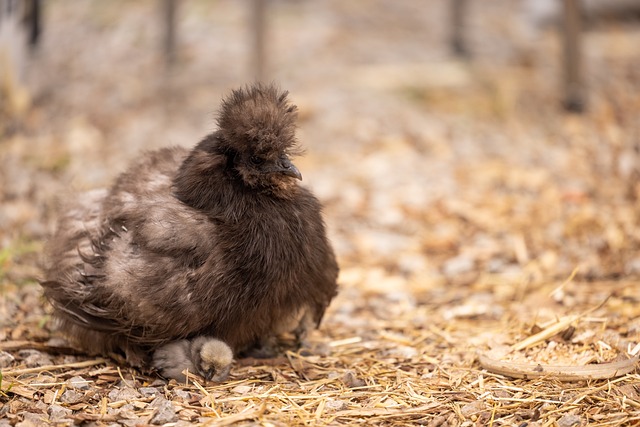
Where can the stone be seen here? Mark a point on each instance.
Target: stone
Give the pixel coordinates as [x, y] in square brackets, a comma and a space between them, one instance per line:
[458, 265]
[78, 383]
[569, 420]
[332, 405]
[350, 380]
[148, 391]
[125, 393]
[30, 419]
[71, 396]
[241, 389]
[163, 413]
[472, 408]
[34, 358]
[6, 359]
[57, 412]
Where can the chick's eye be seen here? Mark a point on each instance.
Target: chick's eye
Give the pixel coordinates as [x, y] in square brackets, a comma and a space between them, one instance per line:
[256, 160]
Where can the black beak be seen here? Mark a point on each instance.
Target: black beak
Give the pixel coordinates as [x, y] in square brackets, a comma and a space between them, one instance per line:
[289, 169]
[208, 375]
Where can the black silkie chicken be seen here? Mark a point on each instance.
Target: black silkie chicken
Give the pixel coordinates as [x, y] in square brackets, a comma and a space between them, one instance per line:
[194, 256]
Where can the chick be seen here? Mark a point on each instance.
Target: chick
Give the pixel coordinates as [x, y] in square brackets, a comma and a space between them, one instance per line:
[208, 357]
[219, 241]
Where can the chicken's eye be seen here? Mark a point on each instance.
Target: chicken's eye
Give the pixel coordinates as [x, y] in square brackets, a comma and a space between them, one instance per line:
[256, 160]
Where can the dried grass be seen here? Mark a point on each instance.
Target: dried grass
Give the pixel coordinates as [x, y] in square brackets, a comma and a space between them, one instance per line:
[401, 374]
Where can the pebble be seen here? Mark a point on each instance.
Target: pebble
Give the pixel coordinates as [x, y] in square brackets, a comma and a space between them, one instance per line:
[34, 358]
[350, 380]
[164, 412]
[158, 382]
[126, 393]
[128, 412]
[41, 406]
[148, 391]
[569, 420]
[401, 351]
[241, 389]
[57, 412]
[472, 408]
[6, 359]
[184, 395]
[335, 405]
[71, 396]
[458, 265]
[31, 419]
[632, 266]
[78, 383]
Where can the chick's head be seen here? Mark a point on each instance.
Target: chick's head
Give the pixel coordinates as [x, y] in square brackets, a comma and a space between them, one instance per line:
[212, 358]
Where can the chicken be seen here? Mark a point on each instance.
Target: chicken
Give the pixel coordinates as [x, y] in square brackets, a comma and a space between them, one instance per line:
[207, 357]
[220, 241]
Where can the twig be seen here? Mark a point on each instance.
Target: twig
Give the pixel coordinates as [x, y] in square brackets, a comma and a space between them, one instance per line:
[32, 345]
[242, 416]
[559, 372]
[552, 330]
[346, 341]
[122, 378]
[567, 281]
[84, 364]
[386, 412]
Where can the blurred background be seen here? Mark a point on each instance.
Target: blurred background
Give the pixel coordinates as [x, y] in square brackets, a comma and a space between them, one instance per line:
[451, 142]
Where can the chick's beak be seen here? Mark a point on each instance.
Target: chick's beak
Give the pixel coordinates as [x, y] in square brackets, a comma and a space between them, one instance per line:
[208, 375]
[289, 169]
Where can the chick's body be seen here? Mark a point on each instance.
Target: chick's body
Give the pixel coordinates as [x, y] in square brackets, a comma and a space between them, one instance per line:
[218, 241]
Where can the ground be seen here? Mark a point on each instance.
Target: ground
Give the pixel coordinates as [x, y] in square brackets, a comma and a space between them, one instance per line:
[483, 234]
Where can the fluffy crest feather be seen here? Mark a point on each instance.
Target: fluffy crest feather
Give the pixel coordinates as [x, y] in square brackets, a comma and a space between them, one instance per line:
[258, 119]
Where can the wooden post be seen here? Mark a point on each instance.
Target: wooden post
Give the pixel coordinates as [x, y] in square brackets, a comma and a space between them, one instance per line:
[574, 96]
[33, 21]
[458, 13]
[258, 33]
[169, 26]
